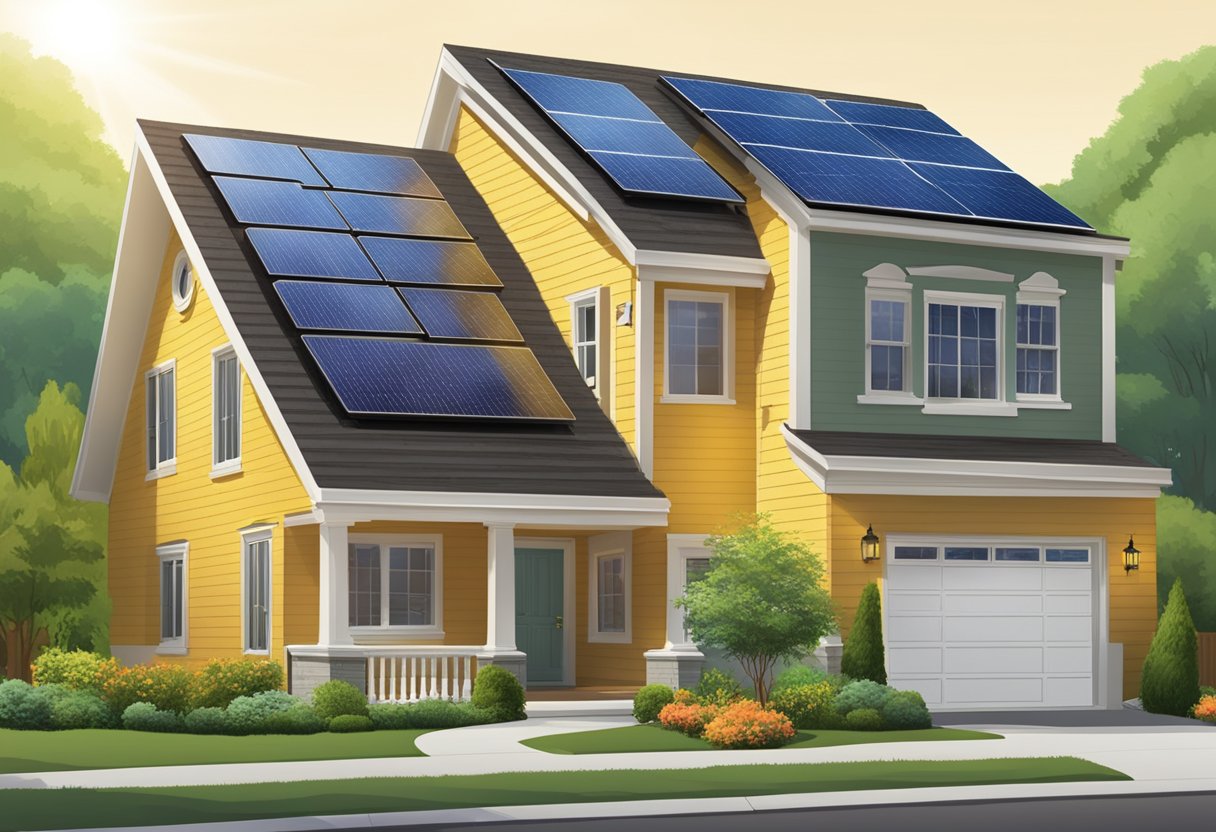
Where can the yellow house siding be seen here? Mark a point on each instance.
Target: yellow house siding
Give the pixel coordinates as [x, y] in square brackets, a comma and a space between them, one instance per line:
[301, 584]
[189, 505]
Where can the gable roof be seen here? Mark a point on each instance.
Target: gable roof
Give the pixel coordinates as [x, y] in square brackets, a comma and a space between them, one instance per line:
[586, 458]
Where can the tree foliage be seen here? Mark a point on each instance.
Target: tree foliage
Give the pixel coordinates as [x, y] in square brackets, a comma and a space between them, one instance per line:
[761, 601]
[1170, 682]
[1186, 546]
[863, 656]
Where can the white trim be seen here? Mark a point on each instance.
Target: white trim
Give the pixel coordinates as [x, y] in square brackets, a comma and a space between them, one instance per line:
[228, 466]
[747, 279]
[1108, 349]
[612, 545]
[599, 298]
[842, 474]
[569, 602]
[1040, 288]
[156, 468]
[1044, 296]
[333, 546]
[961, 273]
[680, 548]
[178, 550]
[643, 374]
[303, 518]
[959, 405]
[965, 407]
[726, 301]
[799, 279]
[257, 534]
[887, 397]
[385, 631]
[181, 302]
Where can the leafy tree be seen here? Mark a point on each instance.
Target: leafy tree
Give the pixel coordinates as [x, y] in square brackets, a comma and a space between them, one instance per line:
[1170, 683]
[1186, 547]
[863, 656]
[761, 601]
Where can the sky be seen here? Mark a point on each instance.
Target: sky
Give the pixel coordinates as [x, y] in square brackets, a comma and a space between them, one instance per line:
[1032, 81]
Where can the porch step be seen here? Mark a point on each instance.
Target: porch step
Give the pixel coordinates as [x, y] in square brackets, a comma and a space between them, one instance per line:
[593, 707]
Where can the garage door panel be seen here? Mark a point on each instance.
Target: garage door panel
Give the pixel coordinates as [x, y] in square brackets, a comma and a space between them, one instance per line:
[1069, 628]
[1075, 604]
[914, 602]
[1067, 578]
[912, 628]
[993, 628]
[976, 602]
[1074, 691]
[914, 577]
[930, 689]
[988, 576]
[914, 660]
[980, 691]
[1068, 660]
[988, 659]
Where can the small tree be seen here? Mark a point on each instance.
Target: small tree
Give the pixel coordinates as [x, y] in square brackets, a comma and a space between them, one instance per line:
[761, 601]
[863, 656]
[1170, 682]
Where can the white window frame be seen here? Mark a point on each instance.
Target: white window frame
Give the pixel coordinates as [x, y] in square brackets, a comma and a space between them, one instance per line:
[1018, 345]
[391, 632]
[726, 300]
[604, 547]
[905, 395]
[600, 298]
[155, 466]
[181, 302]
[1041, 289]
[997, 406]
[222, 468]
[681, 548]
[179, 550]
[257, 534]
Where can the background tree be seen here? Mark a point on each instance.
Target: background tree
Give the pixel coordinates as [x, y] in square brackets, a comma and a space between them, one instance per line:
[1170, 682]
[1186, 541]
[863, 656]
[761, 601]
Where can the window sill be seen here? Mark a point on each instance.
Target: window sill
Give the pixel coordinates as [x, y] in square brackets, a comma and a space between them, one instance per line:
[382, 635]
[684, 398]
[969, 409]
[610, 638]
[1043, 404]
[165, 470]
[256, 652]
[890, 398]
[226, 469]
[171, 650]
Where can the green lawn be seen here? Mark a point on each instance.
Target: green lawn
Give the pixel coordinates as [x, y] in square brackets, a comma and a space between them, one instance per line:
[51, 809]
[22, 751]
[632, 738]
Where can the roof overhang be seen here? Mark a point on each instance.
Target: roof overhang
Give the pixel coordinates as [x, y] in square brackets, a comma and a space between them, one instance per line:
[841, 474]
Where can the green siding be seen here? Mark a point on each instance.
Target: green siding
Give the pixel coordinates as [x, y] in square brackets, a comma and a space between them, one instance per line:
[838, 336]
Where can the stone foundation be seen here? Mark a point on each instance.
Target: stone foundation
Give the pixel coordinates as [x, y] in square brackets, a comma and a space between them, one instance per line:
[306, 673]
[828, 653]
[513, 661]
[674, 668]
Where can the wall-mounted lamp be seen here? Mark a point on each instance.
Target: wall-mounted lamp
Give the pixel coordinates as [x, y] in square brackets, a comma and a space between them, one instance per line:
[869, 545]
[1131, 556]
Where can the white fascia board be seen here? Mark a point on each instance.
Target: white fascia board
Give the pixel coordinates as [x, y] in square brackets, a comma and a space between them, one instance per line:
[704, 276]
[839, 474]
[1109, 369]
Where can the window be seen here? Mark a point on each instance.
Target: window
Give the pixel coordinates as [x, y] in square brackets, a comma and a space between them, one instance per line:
[256, 591]
[915, 553]
[395, 583]
[172, 564]
[584, 321]
[698, 359]
[1038, 350]
[610, 593]
[226, 412]
[162, 418]
[963, 360]
[609, 557]
[182, 278]
[887, 345]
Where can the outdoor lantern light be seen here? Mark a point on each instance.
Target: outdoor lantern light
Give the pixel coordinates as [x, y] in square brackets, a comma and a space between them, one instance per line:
[1131, 556]
[869, 545]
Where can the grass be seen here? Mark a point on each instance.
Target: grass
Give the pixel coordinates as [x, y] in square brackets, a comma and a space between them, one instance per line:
[60, 808]
[22, 751]
[635, 738]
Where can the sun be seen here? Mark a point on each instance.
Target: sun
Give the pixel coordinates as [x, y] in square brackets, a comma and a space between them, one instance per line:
[90, 36]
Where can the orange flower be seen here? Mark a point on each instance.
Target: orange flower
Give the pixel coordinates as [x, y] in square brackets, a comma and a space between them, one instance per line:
[746, 724]
[1206, 709]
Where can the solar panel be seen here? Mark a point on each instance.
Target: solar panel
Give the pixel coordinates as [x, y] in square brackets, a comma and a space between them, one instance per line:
[910, 118]
[430, 262]
[291, 253]
[827, 136]
[373, 172]
[631, 144]
[399, 215]
[245, 157]
[347, 307]
[999, 195]
[391, 377]
[716, 95]
[265, 202]
[939, 148]
[476, 316]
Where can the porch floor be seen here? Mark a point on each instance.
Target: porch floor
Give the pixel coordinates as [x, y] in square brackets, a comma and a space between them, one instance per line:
[583, 693]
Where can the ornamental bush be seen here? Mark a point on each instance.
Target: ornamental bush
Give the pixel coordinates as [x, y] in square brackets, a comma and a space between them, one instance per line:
[300, 719]
[206, 721]
[250, 714]
[862, 694]
[746, 724]
[24, 706]
[648, 701]
[80, 709]
[864, 719]
[797, 675]
[905, 710]
[349, 724]
[222, 680]
[1206, 709]
[338, 698]
[807, 706]
[1170, 682]
[717, 687]
[167, 686]
[689, 719]
[496, 689]
[440, 713]
[863, 656]
[78, 670]
[144, 716]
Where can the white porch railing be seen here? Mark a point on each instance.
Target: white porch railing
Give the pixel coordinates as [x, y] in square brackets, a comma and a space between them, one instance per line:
[411, 674]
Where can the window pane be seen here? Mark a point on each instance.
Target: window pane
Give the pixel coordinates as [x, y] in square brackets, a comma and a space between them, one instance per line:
[257, 594]
[916, 553]
[151, 422]
[364, 590]
[1021, 554]
[411, 578]
[966, 553]
[694, 348]
[963, 355]
[166, 600]
[1068, 556]
[610, 594]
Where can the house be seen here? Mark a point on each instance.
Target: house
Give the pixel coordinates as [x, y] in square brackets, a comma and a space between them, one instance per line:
[717, 298]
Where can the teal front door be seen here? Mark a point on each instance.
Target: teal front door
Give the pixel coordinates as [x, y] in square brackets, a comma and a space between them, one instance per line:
[539, 624]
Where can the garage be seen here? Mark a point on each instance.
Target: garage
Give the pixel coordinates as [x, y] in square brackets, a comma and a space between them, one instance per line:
[975, 623]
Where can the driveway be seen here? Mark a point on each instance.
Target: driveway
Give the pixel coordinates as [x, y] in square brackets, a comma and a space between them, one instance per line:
[1121, 718]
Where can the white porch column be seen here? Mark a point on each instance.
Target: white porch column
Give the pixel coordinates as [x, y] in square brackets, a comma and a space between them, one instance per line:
[332, 622]
[500, 595]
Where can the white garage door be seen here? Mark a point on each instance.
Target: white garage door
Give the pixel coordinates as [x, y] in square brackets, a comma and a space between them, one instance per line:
[976, 624]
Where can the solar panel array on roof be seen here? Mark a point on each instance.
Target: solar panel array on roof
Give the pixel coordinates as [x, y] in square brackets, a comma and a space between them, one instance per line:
[860, 154]
[622, 135]
[305, 209]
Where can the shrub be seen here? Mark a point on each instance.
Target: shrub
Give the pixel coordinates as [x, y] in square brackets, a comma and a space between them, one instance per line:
[249, 714]
[222, 680]
[300, 719]
[807, 706]
[78, 670]
[864, 719]
[861, 694]
[684, 696]
[144, 716]
[80, 709]
[338, 698]
[1206, 709]
[648, 701]
[689, 719]
[349, 724]
[496, 689]
[863, 656]
[798, 675]
[439, 713]
[905, 710]
[167, 686]
[1170, 683]
[24, 706]
[206, 721]
[717, 687]
[746, 724]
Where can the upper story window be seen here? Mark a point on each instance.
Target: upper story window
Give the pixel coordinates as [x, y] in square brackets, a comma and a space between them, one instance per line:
[182, 278]
[226, 412]
[963, 359]
[888, 345]
[585, 315]
[162, 419]
[1038, 345]
[395, 583]
[699, 346]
